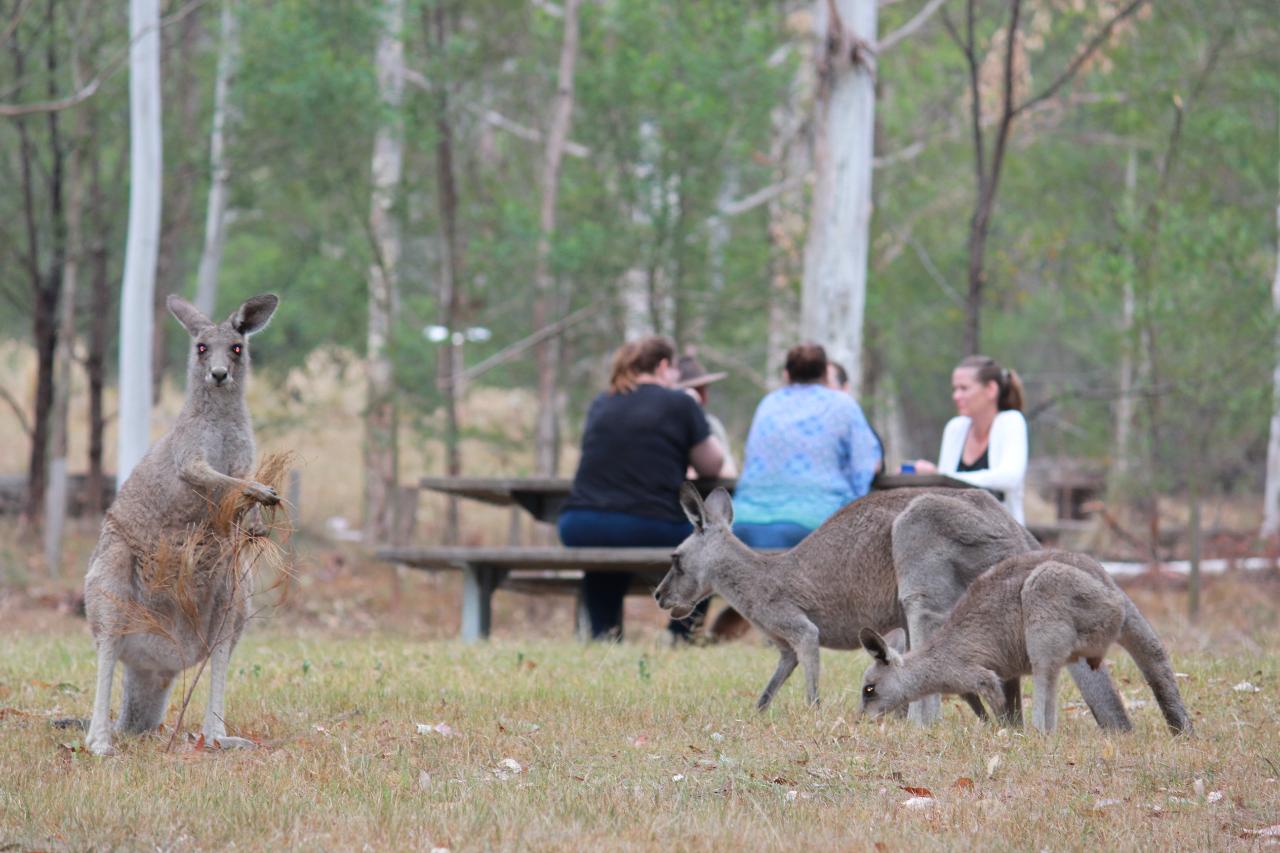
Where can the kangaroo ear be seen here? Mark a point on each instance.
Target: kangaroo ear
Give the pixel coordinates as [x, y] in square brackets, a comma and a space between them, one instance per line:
[720, 506]
[897, 640]
[188, 315]
[254, 314]
[691, 503]
[874, 644]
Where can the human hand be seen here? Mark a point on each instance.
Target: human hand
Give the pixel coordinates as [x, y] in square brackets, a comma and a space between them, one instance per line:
[924, 466]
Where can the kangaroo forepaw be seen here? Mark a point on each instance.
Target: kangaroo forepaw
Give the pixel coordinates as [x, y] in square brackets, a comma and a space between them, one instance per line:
[263, 494]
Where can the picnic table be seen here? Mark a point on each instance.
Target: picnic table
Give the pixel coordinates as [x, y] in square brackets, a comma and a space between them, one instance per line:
[553, 569]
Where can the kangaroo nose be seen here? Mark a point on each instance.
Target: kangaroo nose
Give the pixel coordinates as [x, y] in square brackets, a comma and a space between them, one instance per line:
[218, 374]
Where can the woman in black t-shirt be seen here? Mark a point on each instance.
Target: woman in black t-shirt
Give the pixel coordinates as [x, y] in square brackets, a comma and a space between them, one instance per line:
[639, 439]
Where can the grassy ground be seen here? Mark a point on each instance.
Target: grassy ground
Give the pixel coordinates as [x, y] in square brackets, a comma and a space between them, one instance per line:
[552, 745]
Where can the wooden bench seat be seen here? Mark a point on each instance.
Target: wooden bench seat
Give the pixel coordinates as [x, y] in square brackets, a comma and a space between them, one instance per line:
[531, 570]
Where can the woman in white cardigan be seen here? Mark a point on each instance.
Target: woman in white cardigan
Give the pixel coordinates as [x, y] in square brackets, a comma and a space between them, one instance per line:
[986, 443]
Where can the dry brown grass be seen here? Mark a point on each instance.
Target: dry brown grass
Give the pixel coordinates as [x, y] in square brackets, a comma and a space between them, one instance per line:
[635, 747]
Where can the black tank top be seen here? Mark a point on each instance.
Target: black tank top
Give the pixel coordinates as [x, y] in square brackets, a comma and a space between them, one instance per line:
[979, 464]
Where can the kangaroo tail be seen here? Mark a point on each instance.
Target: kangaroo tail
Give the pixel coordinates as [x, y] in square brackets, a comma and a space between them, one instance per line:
[1140, 641]
[1100, 695]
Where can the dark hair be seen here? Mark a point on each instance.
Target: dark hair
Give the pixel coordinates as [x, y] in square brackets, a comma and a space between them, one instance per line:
[636, 357]
[842, 375]
[987, 369]
[806, 363]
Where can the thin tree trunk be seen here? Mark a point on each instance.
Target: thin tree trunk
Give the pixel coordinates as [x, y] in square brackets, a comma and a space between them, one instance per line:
[146, 169]
[56, 496]
[96, 357]
[215, 220]
[835, 264]
[988, 171]
[1193, 522]
[547, 439]
[1271, 491]
[175, 218]
[1124, 404]
[45, 287]
[450, 353]
[388, 160]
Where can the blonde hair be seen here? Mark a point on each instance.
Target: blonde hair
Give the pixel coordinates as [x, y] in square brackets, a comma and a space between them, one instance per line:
[638, 357]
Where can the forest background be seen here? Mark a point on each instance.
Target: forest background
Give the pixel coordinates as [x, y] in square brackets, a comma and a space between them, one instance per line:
[471, 202]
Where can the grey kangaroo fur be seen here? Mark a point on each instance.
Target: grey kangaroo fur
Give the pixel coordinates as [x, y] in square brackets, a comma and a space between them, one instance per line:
[894, 558]
[181, 478]
[1028, 615]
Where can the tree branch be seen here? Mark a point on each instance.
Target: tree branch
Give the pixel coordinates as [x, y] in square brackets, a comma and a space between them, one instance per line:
[907, 29]
[1096, 42]
[17, 410]
[91, 88]
[497, 119]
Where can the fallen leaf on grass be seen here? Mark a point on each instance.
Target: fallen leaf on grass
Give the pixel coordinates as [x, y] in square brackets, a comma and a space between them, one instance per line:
[964, 783]
[919, 803]
[442, 729]
[679, 777]
[507, 768]
[919, 792]
[424, 780]
[1105, 803]
[992, 763]
[639, 741]
[1246, 687]
[791, 796]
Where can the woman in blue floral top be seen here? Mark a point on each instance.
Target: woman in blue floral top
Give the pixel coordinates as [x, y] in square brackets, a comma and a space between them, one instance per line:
[810, 451]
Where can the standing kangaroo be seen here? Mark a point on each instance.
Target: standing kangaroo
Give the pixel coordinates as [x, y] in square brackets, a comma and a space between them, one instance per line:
[1031, 614]
[892, 558]
[172, 492]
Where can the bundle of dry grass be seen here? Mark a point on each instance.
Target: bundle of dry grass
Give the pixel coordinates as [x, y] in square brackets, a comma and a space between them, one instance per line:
[238, 546]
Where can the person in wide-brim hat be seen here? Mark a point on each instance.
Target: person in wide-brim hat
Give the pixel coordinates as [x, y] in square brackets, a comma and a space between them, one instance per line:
[694, 375]
[694, 378]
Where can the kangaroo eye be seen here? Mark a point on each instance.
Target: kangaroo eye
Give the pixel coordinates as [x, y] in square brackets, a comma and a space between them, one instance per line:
[201, 348]
[869, 690]
[235, 348]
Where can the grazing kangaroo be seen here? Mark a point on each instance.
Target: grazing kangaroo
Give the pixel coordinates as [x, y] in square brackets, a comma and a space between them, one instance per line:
[171, 493]
[1031, 614]
[851, 573]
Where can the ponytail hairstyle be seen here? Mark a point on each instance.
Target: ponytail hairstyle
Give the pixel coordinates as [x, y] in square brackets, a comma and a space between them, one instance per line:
[638, 357]
[987, 369]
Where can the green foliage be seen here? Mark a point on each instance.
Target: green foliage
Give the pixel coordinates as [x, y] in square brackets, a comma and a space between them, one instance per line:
[675, 107]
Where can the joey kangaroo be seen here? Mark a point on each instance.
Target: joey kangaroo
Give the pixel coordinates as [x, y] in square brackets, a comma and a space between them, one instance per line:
[170, 493]
[854, 572]
[1030, 614]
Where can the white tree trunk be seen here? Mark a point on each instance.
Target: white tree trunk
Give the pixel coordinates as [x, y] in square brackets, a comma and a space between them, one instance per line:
[1271, 492]
[547, 441]
[388, 158]
[1124, 403]
[137, 299]
[216, 214]
[835, 263]
[55, 496]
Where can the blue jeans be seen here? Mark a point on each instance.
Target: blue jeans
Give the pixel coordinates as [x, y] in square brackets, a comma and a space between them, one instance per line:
[774, 534]
[603, 592]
